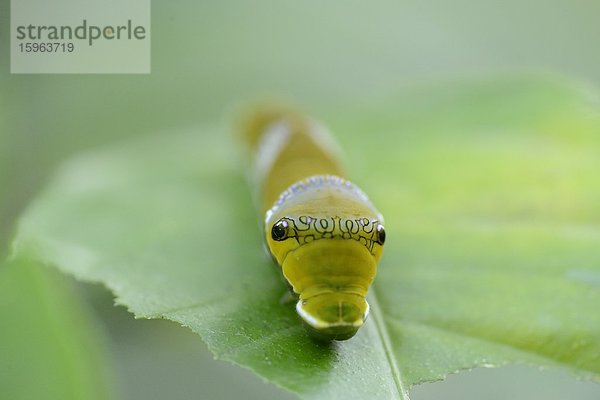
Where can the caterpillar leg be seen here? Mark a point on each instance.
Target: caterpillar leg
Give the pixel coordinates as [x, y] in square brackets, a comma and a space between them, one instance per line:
[288, 297]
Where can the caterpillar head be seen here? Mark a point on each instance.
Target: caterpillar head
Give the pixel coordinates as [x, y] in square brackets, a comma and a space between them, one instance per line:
[333, 315]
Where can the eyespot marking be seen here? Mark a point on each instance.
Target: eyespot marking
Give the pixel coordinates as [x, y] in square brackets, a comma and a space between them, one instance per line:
[279, 231]
[380, 234]
[305, 229]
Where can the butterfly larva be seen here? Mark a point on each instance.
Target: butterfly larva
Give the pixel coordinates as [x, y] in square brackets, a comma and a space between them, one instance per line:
[322, 230]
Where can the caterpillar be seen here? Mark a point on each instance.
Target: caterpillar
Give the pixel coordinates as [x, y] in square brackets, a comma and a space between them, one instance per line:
[322, 231]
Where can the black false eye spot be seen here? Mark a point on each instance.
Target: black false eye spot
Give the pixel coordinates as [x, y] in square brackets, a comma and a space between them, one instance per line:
[279, 230]
[380, 234]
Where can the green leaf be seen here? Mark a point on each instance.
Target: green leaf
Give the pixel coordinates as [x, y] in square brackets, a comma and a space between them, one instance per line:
[50, 348]
[490, 193]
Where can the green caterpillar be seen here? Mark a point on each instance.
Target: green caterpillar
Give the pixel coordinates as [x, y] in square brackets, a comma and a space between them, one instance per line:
[321, 229]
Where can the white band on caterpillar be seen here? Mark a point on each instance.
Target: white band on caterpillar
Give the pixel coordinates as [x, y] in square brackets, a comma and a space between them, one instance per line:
[270, 145]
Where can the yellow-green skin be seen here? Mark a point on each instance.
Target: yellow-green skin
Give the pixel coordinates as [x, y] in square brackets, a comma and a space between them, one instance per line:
[322, 231]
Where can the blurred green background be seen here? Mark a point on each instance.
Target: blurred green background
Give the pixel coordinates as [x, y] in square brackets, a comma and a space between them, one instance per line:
[209, 56]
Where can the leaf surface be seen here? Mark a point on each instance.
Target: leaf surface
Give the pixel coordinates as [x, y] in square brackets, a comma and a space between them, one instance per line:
[490, 194]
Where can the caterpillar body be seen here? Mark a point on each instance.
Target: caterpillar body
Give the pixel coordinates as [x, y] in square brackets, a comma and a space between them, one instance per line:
[322, 231]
